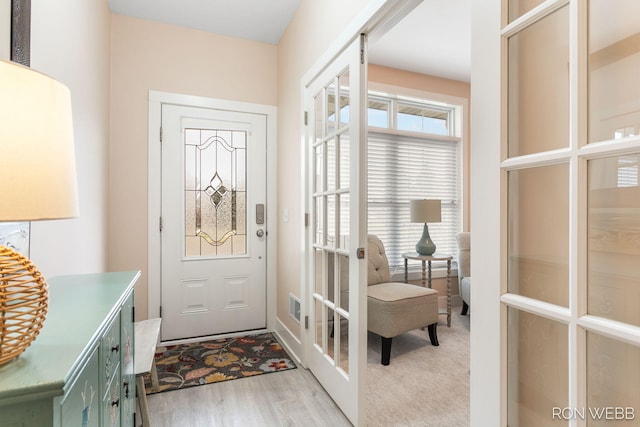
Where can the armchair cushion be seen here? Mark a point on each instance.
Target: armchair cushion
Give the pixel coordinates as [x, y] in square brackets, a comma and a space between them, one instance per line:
[377, 262]
[395, 308]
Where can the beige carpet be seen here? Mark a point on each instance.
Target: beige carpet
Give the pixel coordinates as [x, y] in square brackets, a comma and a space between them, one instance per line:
[423, 385]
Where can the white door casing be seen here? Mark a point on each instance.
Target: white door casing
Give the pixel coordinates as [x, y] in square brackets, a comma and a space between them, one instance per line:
[268, 160]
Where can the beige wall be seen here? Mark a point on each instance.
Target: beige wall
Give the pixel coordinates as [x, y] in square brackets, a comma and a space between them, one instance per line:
[152, 56]
[416, 81]
[71, 44]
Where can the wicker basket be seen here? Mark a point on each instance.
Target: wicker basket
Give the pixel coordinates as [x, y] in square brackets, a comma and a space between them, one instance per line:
[23, 303]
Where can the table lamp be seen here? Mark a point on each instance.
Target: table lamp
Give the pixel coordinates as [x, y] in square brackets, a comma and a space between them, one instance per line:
[425, 211]
[38, 177]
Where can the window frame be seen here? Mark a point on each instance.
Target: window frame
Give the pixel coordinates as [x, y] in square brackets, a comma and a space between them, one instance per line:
[457, 110]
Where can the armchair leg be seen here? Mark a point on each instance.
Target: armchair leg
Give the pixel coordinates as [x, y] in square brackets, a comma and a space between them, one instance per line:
[433, 334]
[465, 308]
[386, 350]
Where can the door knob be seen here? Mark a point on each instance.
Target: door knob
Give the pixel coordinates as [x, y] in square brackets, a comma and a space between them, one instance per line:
[260, 232]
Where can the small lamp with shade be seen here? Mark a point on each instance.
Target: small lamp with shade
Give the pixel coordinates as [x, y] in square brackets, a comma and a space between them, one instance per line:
[425, 211]
[38, 176]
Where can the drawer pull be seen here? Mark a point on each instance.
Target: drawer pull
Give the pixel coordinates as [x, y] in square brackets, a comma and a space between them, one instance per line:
[115, 348]
[115, 402]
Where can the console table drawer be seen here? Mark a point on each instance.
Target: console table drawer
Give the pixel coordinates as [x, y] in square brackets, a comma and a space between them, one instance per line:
[110, 354]
[112, 402]
[81, 404]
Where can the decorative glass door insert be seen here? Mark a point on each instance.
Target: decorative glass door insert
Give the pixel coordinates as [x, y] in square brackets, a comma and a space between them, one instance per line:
[215, 192]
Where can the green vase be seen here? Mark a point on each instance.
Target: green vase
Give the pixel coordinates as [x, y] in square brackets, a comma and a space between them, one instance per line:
[425, 245]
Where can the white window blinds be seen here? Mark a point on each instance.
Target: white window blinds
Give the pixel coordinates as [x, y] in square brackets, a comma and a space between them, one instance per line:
[404, 168]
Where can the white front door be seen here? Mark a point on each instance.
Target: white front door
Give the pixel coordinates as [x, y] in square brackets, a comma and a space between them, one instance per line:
[213, 232]
[336, 144]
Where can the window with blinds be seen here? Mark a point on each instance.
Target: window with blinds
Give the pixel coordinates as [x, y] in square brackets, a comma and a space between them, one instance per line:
[407, 167]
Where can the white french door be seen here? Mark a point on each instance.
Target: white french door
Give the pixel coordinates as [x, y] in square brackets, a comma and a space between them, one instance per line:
[336, 144]
[213, 238]
[570, 171]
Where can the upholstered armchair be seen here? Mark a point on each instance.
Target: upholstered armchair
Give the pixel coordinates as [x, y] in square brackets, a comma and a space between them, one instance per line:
[393, 307]
[464, 269]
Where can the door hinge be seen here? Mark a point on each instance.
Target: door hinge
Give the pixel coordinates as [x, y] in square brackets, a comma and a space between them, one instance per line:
[133, 314]
[160, 311]
[306, 322]
[306, 219]
[362, 47]
[306, 118]
[160, 134]
[160, 224]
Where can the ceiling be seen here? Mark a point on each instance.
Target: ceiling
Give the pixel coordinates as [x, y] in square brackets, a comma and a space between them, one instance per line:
[433, 39]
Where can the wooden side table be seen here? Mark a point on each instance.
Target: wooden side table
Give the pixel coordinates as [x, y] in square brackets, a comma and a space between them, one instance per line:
[426, 279]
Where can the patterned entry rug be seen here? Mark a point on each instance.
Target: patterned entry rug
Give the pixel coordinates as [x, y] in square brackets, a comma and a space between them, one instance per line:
[188, 365]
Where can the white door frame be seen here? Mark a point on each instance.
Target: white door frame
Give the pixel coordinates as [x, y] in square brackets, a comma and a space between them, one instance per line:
[156, 99]
[487, 375]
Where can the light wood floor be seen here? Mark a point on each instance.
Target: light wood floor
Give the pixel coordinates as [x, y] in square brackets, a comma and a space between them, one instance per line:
[290, 398]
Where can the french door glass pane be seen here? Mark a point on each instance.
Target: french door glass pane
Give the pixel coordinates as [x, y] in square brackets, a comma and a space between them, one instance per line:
[614, 60]
[318, 269]
[344, 221]
[318, 325]
[345, 98]
[344, 148]
[539, 86]
[319, 218]
[343, 277]
[538, 233]
[331, 221]
[613, 375]
[319, 176]
[537, 376]
[343, 359]
[331, 120]
[331, 165]
[215, 192]
[517, 8]
[613, 287]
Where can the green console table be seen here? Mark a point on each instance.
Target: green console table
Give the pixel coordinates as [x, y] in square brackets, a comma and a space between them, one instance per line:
[79, 371]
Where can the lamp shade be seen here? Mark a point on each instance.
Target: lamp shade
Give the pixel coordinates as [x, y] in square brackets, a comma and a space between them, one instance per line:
[37, 159]
[425, 211]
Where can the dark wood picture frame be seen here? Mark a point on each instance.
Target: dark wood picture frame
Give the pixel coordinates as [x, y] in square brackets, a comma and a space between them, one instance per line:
[17, 235]
[21, 31]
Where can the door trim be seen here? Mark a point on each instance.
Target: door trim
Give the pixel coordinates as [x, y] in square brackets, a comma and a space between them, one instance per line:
[156, 99]
[487, 378]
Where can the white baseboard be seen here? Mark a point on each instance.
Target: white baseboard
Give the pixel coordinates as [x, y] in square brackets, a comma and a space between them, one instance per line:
[290, 342]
